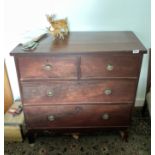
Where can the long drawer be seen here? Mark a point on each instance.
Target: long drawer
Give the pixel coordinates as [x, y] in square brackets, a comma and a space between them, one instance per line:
[69, 92]
[80, 116]
[47, 67]
[110, 65]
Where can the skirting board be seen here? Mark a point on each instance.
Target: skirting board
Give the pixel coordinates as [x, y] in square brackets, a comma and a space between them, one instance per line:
[139, 102]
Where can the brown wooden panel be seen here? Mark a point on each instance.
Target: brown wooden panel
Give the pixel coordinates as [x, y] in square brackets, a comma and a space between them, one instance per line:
[47, 67]
[86, 42]
[8, 97]
[87, 80]
[62, 92]
[77, 116]
[110, 65]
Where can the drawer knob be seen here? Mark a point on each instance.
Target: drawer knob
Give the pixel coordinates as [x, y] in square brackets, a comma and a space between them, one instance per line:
[47, 67]
[51, 118]
[105, 116]
[110, 67]
[107, 91]
[50, 93]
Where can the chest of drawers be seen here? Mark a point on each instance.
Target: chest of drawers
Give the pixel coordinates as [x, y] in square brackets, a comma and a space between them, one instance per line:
[89, 80]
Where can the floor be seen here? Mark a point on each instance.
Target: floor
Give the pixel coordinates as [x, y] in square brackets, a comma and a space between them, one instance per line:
[99, 143]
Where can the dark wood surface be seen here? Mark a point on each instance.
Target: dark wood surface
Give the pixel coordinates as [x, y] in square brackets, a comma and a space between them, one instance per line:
[79, 67]
[87, 42]
[95, 66]
[68, 78]
[70, 92]
[77, 116]
[35, 68]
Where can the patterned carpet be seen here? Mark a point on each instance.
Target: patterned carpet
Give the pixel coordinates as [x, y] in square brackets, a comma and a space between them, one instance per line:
[99, 143]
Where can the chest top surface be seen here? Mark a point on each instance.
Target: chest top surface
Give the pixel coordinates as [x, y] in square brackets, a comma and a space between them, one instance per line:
[86, 42]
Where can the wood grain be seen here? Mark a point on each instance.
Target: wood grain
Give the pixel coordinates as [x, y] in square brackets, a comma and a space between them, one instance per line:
[86, 42]
[70, 81]
[70, 92]
[95, 66]
[76, 116]
[35, 67]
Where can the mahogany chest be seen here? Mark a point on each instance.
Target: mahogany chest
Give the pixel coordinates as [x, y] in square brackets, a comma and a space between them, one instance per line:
[88, 80]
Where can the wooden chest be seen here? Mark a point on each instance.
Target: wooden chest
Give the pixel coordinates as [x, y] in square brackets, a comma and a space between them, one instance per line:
[88, 80]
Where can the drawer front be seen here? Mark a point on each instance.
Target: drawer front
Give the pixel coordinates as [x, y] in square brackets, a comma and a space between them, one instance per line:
[110, 91]
[47, 67]
[110, 66]
[65, 116]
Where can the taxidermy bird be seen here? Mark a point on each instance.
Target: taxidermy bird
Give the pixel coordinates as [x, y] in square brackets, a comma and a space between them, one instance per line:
[58, 28]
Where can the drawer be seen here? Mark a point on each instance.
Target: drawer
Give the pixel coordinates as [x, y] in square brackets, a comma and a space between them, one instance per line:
[65, 116]
[110, 65]
[68, 92]
[47, 67]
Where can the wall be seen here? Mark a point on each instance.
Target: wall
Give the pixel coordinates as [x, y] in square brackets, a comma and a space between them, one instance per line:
[83, 15]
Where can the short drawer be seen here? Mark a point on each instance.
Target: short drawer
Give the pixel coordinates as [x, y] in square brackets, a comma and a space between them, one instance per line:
[47, 67]
[68, 92]
[65, 116]
[110, 65]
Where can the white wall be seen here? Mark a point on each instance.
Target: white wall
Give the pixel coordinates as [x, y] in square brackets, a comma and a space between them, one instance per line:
[83, 15]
